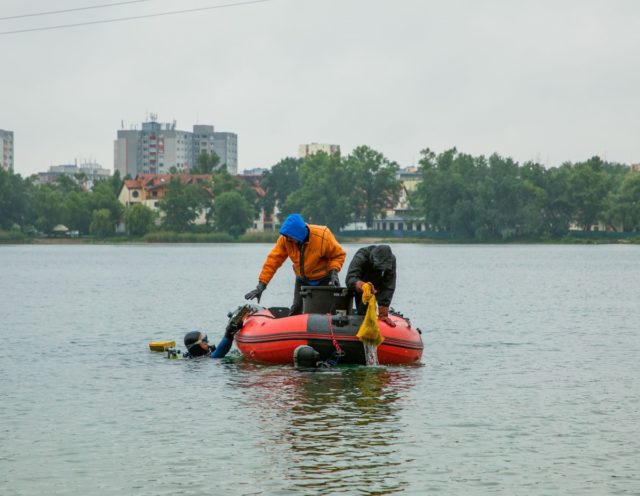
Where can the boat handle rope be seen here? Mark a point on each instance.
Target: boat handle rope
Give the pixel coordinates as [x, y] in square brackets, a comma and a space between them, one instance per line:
[339, 352]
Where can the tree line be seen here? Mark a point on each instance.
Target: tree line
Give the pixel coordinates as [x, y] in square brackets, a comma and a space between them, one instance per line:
[471, 197]
[326, 189]
[475, 197]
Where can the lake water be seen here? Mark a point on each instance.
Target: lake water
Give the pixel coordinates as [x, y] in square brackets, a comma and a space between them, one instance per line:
[529, 383]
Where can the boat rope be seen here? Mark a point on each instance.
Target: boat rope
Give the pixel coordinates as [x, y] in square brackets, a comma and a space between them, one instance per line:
[339, 352]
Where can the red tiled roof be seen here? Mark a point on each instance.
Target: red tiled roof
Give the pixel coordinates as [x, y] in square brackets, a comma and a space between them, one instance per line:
[133, 184]
[151, 181]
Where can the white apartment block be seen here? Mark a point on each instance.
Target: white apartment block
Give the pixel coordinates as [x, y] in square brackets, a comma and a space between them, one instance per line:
[158, 147]
[6, 150]
[311, 148]
[91, 171]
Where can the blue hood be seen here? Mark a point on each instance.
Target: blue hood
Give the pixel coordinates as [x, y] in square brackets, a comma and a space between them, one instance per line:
[295, 227]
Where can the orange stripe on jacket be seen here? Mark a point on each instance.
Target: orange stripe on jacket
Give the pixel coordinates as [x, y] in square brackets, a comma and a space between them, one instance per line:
[322, 253]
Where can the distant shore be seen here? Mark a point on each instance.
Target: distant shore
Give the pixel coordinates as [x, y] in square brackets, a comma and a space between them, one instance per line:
[200, 238]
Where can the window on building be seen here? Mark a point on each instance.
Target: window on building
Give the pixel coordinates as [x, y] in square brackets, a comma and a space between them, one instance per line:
[400, 226]
[135, 194]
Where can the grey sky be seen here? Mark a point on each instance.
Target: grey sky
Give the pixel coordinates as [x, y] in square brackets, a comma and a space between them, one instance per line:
[543, 80]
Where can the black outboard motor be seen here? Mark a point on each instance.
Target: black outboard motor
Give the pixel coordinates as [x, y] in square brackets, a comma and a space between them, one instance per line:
[326, 299]
[305, 356]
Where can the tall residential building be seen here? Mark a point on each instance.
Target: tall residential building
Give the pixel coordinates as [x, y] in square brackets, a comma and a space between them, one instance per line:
[311, 148]
[6, 150]
[226, 146]
[158, 147]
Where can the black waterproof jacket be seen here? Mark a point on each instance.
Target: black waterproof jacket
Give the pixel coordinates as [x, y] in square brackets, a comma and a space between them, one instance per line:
[361, 269]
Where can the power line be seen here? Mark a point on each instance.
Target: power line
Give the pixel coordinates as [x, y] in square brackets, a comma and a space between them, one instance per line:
[146, 16]
[50, 12]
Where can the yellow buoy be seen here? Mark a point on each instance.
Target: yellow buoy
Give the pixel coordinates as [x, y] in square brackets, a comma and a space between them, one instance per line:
[161, 346]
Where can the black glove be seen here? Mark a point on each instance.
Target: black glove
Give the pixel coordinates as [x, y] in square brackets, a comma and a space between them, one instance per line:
[256, 293]
[335, 280]
[231, 330]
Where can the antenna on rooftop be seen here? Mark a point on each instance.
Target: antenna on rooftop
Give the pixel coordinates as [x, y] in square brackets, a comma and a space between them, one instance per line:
[153, 117]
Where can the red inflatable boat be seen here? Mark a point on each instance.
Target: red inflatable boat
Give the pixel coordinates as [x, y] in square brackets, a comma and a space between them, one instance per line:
[270, 335]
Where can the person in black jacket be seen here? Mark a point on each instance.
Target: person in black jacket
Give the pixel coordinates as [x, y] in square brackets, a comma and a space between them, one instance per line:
[375, 264]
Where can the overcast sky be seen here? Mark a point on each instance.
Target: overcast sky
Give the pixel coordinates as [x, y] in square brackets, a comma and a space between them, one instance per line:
[551, 81]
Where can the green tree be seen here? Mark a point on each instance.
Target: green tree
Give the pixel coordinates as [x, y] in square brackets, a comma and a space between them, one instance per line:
[77, 211]
[80, 177]
[16, 200]
[448, 194]
[116, 182]
[375, 186]
[66, 184]
[206, 163]
[223, 182]
[232, 213]
[101, 223]
[622, 207]
[104, 196]
[509, 204]
[181, 205]
[479, 198]
[48, 208]
[588, 186]
[139, 219]
[558, 208]
[326, 192]
[279, 182]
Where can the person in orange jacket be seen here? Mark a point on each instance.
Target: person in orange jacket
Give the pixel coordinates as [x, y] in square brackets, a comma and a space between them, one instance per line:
[316, 255]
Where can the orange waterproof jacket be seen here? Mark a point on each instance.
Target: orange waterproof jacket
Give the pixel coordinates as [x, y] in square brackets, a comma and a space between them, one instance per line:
[315, 260]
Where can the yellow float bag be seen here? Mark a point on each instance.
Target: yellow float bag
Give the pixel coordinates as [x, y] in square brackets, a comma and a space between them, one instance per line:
[369, 331]
[161, 346]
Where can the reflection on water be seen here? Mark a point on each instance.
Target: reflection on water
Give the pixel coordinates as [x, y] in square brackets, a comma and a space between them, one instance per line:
[332, 430]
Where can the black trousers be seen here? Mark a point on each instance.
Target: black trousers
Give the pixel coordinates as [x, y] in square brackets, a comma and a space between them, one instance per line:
[361, 308]
[296, 307]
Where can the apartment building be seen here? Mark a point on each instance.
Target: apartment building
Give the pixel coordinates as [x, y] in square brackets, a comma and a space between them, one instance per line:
[157, 148]
[6, 150]
[85, 173]
[311, 148]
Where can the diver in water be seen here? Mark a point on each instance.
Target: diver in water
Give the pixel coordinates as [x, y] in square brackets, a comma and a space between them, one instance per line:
[197, 343]
[375, 264]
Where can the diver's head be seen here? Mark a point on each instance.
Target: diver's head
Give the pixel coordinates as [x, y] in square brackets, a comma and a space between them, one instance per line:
[305, 356]
[197, 344]
[382, 258]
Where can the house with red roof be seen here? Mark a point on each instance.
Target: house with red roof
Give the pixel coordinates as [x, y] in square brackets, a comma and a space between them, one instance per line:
[150, 189]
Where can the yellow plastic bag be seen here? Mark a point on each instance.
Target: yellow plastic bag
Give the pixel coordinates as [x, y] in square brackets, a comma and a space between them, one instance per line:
[369, 331]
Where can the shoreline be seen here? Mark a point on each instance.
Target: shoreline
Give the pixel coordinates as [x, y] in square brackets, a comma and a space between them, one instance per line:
[350, 240]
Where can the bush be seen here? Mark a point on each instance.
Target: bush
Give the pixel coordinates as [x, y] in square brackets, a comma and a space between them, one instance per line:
[260, 237]
[173, 237]
[12, 237]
